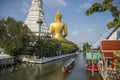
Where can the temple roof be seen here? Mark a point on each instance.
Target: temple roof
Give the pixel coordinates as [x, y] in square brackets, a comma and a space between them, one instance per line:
[104, 36]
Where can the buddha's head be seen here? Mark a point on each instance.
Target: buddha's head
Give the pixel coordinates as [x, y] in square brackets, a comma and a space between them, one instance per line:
[58, 16]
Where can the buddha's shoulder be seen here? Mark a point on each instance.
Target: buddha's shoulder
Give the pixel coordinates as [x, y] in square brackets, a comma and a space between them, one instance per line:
[54, 23]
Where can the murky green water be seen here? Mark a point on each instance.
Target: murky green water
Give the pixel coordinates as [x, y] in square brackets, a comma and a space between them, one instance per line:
[51, 71]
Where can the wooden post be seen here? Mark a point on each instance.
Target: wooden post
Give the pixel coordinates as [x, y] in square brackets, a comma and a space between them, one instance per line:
[106, 67]
[92, 65]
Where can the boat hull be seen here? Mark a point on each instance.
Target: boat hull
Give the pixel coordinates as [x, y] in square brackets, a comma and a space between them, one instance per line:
[69, 65]
[89, 68]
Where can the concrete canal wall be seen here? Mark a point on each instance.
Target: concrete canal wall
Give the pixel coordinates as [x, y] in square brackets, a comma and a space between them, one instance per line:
[44, 59]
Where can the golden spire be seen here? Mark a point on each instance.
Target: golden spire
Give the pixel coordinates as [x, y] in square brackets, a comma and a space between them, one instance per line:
[58, 15]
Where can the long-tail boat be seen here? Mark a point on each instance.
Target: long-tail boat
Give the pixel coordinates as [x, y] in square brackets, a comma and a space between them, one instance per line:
[68, 65]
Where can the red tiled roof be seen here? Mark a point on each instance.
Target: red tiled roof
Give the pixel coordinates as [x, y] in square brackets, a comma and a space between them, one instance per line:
[110, 45]
[108, 54]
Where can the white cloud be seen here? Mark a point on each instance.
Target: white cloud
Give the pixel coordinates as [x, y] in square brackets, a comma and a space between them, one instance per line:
[85, 6]
[26, 5]
[55, 3]
[89, 30]
[74, 33]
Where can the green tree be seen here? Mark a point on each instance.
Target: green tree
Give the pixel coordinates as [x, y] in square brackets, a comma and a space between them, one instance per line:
[107, 5]
[14, 36]
[113, 7]
[117, 63]
[68, 47]
[86, 47]
[48, 47]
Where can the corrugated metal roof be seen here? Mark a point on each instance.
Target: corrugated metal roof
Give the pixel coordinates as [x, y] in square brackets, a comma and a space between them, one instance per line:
[104, 36]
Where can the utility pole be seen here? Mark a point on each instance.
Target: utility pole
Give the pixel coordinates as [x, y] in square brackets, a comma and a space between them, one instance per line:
[40, 23]
[39, 36]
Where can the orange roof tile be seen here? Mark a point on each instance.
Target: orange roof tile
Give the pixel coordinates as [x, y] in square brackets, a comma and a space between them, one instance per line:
[110, 45]
[108, 54]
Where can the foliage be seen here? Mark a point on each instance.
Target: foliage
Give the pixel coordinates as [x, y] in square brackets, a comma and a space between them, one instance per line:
[68, 47]
[46, 47]
[117, 65]
[14, 36]
[107, 5]
[86, 47]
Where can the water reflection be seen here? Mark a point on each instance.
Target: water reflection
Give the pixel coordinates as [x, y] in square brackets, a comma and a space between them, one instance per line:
[52, 71]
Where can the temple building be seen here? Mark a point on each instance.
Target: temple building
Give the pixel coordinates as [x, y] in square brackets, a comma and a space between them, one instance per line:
[111, 34]
[35, 19]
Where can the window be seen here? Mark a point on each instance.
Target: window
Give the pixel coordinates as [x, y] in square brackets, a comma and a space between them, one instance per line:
[118, 34]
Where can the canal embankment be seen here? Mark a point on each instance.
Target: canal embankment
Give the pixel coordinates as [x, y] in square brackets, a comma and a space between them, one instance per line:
[43, 59]
[51, 71]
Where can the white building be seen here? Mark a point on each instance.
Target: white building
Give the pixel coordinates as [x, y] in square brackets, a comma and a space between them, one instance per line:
[36, 14]
[5, 59]
[115, 34]
[111, 34]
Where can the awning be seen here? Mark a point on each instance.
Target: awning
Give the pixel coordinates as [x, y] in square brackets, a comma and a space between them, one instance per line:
[93, 55]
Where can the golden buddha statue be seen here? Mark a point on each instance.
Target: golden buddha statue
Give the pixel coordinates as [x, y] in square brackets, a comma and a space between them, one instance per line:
[58, 27]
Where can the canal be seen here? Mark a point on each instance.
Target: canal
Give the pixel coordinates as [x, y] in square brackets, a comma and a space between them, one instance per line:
[52, 71]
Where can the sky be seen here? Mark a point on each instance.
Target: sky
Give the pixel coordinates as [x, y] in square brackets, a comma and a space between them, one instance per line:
[81, 28]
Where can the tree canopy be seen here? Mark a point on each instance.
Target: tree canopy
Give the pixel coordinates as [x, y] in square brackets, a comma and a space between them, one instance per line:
[14, 36]
[46, 47]
[107, 5]
[17, 39]
[86, 47]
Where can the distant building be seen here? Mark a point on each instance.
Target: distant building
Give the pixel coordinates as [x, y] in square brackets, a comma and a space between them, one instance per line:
[36, 14]
[5, 59]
